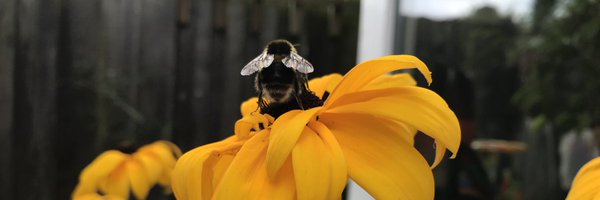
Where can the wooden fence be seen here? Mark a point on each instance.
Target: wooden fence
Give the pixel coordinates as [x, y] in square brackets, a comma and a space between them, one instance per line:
[80, 77]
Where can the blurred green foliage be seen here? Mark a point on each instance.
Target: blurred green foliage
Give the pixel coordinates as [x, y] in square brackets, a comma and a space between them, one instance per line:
[489, 40]
[561, 64]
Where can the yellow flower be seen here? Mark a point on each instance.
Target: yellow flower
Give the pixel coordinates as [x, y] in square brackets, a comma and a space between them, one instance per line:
[114, 173]
[95, 196]
[364, 131]
[586, 184]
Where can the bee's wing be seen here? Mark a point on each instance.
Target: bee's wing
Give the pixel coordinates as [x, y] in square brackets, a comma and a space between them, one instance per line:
[251, 67]
[267, 60]
[298, 63]
[261, 61]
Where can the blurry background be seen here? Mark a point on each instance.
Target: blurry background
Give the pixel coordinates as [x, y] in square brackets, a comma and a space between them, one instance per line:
[81, 77]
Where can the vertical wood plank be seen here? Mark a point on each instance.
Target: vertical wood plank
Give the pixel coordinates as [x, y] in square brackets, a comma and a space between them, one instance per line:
[7, 38]
[183, 126]
[157, 65]
[120, 77]
[234, 40]
[252, 45]
[203, 119]
[191, 117]
[269, 23]
[215, 68]
[35, 98]
[81, 133]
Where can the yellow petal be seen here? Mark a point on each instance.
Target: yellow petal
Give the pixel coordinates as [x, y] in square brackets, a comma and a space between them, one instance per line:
[216, 166]
[325, 83]
[140, 184]
[339, 168]
[117, 183]
[586, 183]
[312, 166]
[191, 179]
[246, 125]
[90, 196]
[381, 162]
[174, 148]
[414, 106]
[384, 125]
[284, 133]
[249, 106]
[388, 81]
[221, 165]
[103, 165]
[163, 155]
[251, 123]
[99, 169]
[84, 188]
[165, 180]
[160, 151]
[249, 179]
[362, 74]
[151, 164]
[110, 197]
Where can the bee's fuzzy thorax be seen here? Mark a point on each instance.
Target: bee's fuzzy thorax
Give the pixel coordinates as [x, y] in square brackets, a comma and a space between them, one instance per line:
[280, 47]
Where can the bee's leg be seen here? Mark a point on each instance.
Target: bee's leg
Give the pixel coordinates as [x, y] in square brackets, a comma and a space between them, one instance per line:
[299, 101]
[298, 87]
[262, 105]
[305, 80]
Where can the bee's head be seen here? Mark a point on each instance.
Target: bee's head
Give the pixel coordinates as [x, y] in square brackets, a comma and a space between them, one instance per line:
[279, 47]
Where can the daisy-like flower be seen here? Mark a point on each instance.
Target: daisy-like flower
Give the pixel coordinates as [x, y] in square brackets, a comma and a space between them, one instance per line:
[364, 130]
[115, 174]
[586, 184]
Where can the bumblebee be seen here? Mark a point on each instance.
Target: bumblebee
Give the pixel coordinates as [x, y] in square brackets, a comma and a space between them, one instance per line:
[281, 79]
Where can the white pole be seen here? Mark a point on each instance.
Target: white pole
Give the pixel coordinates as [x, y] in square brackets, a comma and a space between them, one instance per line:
[376, 28]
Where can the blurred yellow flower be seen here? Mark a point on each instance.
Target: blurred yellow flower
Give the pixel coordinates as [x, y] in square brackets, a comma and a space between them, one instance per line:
[95, 196]
[114, 173]
[364, 131]
[586, 184]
